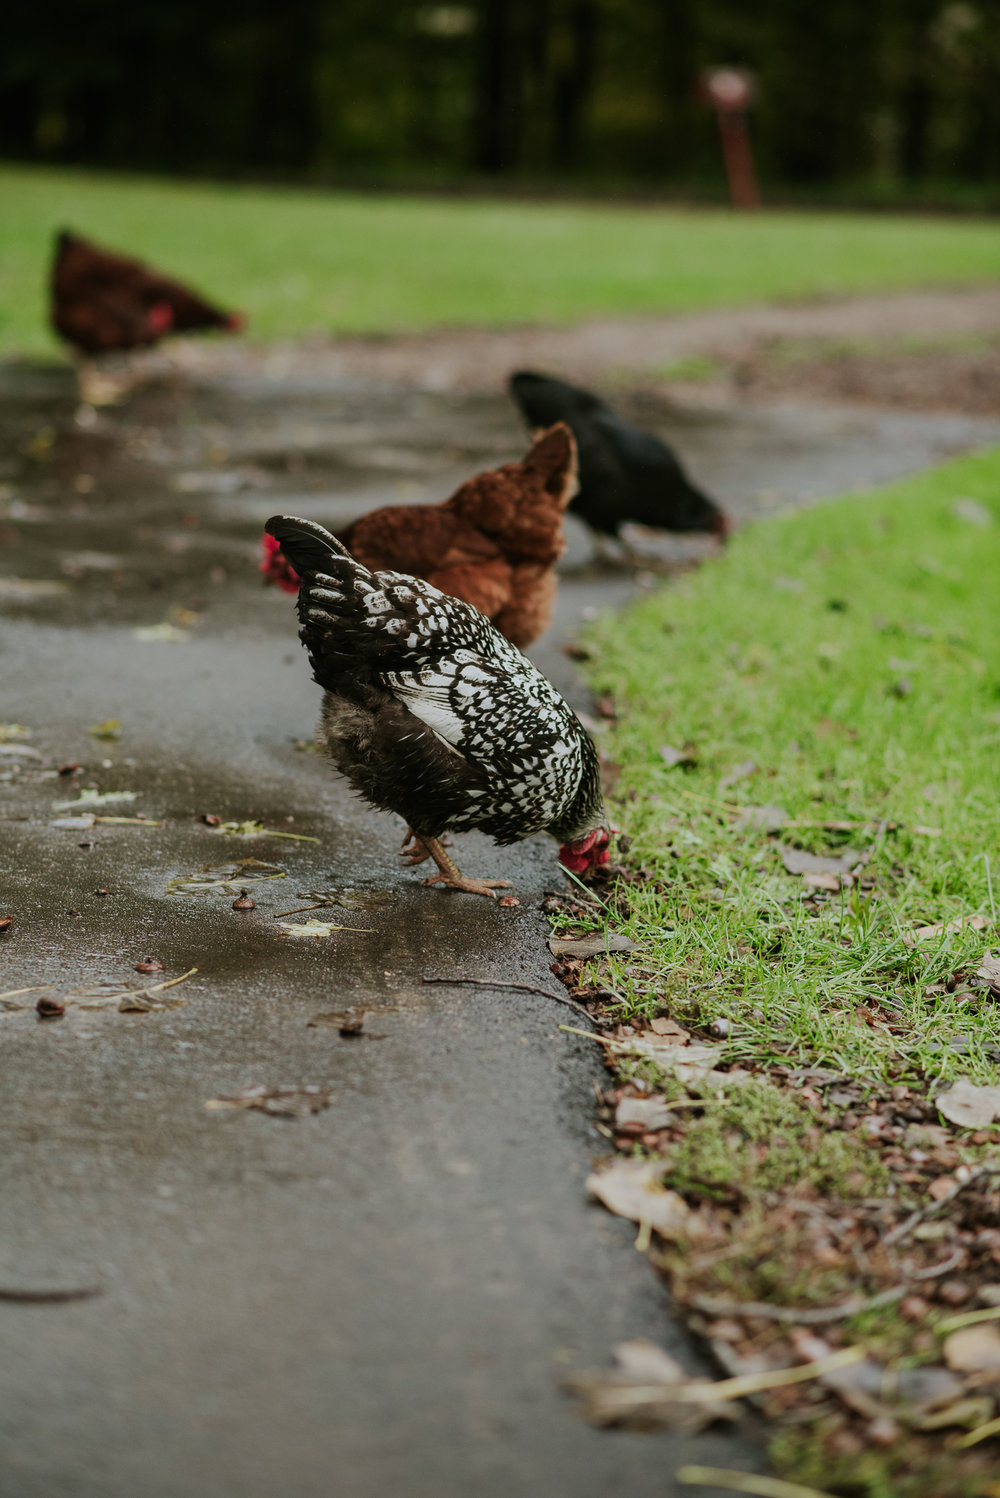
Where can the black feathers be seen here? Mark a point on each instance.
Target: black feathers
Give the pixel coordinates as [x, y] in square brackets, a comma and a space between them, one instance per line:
[429, 711]
[625, 473]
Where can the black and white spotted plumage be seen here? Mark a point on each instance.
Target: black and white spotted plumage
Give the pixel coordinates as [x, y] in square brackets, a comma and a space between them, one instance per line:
[429, 711]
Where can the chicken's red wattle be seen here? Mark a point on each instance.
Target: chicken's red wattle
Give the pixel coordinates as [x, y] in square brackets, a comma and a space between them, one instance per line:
[276, 568]
[589, 853]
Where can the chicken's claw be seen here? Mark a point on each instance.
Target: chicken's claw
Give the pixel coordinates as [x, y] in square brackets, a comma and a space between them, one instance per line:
[470, 886]
[450, 874]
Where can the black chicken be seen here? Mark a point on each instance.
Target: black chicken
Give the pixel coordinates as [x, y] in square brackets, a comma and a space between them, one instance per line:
[429, 712]
[625, 474]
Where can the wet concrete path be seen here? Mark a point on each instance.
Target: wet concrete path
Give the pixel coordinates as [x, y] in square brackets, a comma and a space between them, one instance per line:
[381, 1296]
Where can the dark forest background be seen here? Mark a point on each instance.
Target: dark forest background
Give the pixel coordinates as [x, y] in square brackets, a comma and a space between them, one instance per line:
[901, 93]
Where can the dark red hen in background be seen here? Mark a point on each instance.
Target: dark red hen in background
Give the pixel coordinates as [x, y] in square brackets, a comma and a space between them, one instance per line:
[103, 302]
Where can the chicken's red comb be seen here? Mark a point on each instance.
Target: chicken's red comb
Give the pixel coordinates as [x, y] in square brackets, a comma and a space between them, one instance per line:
[236, 322]
[161, 317]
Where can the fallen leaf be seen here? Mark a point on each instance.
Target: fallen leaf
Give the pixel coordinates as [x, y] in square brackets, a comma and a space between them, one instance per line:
[111, 728]
[280, 1102]
[766, 818]
[693, 1066]
[257, 829]
[630, 1188]
[347, 1021]
[972, 511]
[796, 861]
[822, 881]
[989, 972]
[316, 928]
[974, 1349]
[742, 771]
[664, 1026]
[349, 898]
[11, 731]
[592, 945]
[18, 589]
[130, 996]
[640, 1392]
[164, 633]
[18, 751]
[969, 1106]
[91, 798]
[946, 928]
[643, 1114]
[225, 878]
[671, 756]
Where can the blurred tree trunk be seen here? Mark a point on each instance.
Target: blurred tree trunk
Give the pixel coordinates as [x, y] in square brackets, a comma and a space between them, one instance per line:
[492, 153]
[574, 80]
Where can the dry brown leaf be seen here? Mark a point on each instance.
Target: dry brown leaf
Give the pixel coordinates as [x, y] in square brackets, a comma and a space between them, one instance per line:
[643, 1113]
[946, 928]
[663, 1026]
[974, 1348]
[671, 756]
[693, 1066]
[641, 1390]
[798, 862]
[766, 818]
[822, 881]
[969, 1106]
[592, 945]
[631, 1188]
[989, 972]
[281, 1102]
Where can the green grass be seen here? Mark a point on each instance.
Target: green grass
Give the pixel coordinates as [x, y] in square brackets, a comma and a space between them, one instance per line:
[850, 653]
[299, 261]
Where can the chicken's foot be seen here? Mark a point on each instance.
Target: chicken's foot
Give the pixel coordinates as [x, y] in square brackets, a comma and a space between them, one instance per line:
[451, 875]
[414, 849]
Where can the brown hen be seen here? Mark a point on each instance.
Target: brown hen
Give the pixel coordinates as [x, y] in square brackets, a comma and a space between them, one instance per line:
[494, 543]
[102, 301]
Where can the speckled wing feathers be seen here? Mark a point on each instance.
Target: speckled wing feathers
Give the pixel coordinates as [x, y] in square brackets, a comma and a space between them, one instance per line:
[444, 662]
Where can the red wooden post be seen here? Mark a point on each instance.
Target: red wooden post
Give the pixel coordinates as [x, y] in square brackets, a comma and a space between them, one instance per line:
[729, 91]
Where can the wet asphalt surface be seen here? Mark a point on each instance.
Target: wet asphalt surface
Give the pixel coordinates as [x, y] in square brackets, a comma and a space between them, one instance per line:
[382, 1296]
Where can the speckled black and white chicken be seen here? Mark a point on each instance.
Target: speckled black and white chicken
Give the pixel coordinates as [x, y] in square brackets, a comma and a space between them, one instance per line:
[429, 712]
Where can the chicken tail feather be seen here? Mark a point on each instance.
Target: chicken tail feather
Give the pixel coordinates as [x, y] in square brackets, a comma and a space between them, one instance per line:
[305, 543]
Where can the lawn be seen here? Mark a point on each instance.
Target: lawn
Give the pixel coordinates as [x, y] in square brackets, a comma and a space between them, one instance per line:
[300, 261]
[830, 687]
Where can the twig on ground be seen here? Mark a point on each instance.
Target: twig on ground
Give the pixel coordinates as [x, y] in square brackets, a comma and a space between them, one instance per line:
[745, 1482]
[48, 1297]
[917, 1217]
[520, 988]
[711, 1305]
